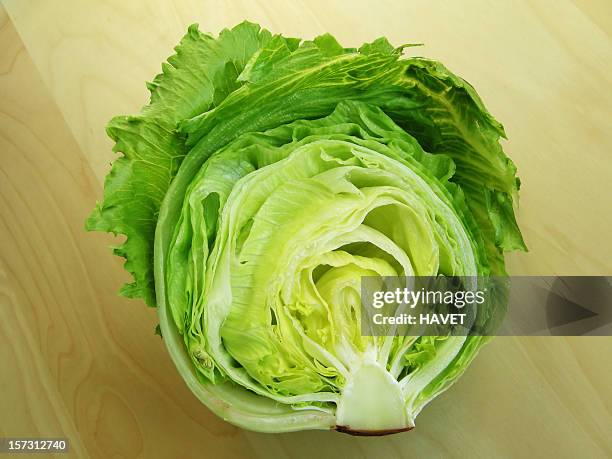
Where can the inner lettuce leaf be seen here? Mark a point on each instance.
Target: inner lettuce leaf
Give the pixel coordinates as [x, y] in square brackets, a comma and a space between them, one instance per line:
[266, 177]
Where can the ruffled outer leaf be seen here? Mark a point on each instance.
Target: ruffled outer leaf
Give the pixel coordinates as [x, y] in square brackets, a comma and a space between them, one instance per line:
[199, 76]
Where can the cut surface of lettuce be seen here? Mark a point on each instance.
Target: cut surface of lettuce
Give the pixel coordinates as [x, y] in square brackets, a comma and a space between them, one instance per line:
[266, 177]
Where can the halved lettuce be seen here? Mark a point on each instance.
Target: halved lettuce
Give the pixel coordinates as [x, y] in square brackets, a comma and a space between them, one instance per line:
[269, 175]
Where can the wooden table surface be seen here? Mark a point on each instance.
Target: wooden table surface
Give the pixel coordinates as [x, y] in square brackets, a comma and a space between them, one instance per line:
[78, 361]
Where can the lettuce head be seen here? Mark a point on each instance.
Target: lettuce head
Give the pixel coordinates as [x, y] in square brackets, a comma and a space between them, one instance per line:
[265, 178]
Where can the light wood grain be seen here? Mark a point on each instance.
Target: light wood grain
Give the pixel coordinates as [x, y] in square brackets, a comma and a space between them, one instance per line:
[81, 362]
[76, 359]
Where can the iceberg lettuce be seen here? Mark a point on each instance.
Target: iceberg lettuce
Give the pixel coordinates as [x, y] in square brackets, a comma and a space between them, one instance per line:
[265, 178]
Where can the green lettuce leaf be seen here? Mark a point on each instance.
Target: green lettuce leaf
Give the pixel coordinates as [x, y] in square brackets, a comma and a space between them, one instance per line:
[199, 76]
